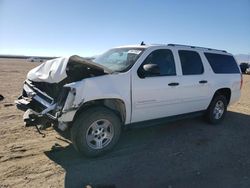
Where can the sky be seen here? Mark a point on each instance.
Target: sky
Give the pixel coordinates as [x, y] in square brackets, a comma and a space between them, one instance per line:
[86, 28]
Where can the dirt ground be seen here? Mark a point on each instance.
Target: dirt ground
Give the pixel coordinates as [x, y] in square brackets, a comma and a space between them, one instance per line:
[185, 153]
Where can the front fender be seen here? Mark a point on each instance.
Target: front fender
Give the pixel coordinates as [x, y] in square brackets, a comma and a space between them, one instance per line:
[98, 88]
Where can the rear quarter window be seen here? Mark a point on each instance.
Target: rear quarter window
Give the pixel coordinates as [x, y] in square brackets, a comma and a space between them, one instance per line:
[222, 64]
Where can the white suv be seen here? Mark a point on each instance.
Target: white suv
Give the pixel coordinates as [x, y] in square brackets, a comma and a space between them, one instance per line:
[128, 85]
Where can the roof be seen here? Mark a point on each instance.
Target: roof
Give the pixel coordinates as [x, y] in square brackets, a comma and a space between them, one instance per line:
[175, 45]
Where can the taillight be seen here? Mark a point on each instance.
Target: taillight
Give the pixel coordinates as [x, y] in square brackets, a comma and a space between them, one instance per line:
[241, 81]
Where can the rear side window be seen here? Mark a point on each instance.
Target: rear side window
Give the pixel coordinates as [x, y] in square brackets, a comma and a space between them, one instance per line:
[191, 63]
[222, 64]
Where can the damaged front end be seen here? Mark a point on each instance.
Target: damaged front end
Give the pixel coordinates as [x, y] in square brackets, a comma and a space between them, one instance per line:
[48, 97]
[39, 107]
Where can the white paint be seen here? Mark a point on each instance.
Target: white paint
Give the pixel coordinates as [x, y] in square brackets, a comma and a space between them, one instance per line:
[147, 98]
[52, 71]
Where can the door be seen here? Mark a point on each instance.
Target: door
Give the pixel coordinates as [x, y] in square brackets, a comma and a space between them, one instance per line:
[156, 94]
[194, 82]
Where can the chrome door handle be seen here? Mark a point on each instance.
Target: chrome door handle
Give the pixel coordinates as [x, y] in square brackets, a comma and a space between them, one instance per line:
[173, 84]
[203, 81]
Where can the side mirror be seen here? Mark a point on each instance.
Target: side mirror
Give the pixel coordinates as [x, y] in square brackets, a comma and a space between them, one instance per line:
[151, 69]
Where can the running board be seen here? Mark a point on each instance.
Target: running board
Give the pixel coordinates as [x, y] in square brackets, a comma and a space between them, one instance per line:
[160, 121]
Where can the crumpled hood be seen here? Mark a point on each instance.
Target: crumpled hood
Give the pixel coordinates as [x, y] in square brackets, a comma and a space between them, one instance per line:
[56, 70]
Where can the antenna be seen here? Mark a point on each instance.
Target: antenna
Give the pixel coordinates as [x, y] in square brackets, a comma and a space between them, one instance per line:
[142, 43]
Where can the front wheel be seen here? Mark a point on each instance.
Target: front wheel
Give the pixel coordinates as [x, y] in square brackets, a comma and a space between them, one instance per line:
[95, 131]
[217, 109]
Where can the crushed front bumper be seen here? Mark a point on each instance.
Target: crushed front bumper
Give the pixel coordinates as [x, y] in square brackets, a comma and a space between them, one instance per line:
[41, 109]
[38, 104]
[22, 104]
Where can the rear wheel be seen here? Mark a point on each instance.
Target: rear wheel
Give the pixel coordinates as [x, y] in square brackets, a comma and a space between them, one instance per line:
[95, 131]
[217, 109]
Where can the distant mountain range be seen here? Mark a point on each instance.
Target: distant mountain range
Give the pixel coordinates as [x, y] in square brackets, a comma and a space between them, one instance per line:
[242, 58]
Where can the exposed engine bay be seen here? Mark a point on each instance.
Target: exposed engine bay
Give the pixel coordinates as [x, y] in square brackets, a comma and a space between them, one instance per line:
[45, 93]
[52, 75]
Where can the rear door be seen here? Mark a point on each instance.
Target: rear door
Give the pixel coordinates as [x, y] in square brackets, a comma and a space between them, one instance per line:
[194, 81]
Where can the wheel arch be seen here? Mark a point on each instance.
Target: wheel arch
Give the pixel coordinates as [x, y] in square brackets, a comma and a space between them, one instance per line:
[225, 92]
[115, 104]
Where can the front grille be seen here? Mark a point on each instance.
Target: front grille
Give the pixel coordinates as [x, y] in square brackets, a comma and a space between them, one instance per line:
[37, 106]
[39, 93]
[52, 90]
[44, 97]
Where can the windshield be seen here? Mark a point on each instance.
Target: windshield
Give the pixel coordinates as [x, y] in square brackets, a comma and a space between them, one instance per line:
[119, 59]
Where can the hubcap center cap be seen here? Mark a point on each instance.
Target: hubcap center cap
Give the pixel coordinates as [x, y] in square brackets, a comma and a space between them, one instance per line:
[98, 131]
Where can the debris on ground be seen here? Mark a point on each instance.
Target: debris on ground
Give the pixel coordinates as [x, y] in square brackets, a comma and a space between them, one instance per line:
[8, 104]
[1, 97]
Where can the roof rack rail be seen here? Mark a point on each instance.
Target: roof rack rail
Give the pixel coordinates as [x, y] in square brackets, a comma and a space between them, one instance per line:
[197, 47]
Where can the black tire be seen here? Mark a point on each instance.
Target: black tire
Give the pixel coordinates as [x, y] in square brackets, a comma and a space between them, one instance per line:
[83, 125]
[211, 114]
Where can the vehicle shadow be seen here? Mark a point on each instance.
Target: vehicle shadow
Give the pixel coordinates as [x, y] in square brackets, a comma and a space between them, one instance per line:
[186, 153]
